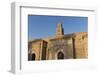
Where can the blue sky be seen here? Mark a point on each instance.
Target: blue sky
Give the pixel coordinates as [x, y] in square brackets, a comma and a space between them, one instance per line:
[44, 26]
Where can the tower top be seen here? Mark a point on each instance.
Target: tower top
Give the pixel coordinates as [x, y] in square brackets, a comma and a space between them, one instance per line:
[59, 29]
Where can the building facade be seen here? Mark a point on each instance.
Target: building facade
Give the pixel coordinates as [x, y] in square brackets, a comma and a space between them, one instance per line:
[61, 46]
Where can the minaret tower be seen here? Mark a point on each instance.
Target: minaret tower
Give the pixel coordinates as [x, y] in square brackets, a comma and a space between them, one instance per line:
[59, 30]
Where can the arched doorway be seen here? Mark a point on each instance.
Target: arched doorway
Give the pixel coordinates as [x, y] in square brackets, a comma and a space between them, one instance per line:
[33, 56]
[60, 55]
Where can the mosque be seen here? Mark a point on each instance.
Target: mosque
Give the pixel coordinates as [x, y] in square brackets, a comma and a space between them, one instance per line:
[61, 46]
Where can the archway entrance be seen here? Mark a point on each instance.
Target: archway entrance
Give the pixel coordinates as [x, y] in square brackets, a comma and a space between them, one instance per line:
[33, 56]
[60, 55]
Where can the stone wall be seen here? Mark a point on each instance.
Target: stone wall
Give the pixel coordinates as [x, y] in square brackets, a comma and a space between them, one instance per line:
[72, 46]
[81, 45]
[64, 45]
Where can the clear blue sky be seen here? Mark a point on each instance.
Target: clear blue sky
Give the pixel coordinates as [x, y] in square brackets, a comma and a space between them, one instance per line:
[44, 26]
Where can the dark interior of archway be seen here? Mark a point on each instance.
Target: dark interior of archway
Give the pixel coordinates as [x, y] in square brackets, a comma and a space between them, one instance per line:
[60, 55]
[33, 57]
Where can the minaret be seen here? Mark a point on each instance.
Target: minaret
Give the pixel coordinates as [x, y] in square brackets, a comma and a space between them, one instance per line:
[59, 30]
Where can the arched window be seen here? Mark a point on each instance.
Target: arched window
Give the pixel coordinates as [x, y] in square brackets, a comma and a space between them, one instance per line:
[60, 55]
[33, 56]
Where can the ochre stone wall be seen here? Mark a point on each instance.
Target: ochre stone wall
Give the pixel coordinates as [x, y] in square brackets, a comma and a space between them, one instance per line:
[48, 49]
[81, 45]
[36, 48]
[57, 45]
